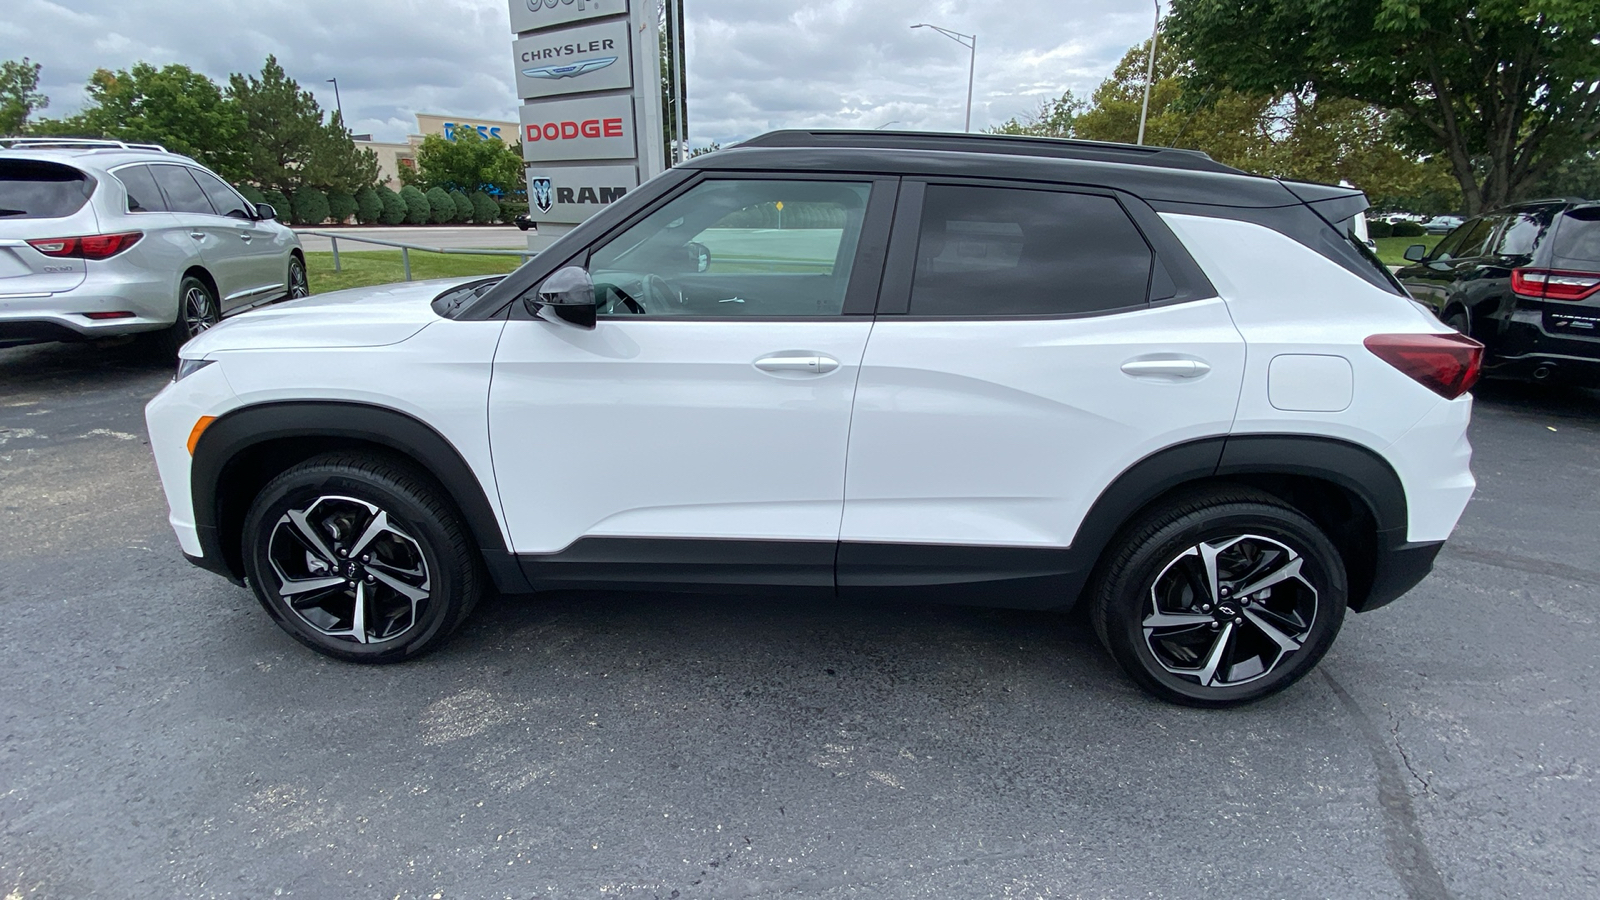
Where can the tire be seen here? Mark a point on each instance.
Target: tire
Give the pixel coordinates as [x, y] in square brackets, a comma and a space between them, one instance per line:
[1458, 320]
[1152, 605]
[299, 285]
[198, 310]
[346, 526]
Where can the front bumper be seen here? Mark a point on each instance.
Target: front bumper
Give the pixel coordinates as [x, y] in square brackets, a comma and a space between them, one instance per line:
[170, 418]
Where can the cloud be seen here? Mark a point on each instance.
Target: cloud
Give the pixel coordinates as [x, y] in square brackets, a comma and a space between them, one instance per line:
[753, 66]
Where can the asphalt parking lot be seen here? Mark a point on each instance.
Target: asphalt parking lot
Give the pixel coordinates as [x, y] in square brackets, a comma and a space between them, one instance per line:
[159, 737]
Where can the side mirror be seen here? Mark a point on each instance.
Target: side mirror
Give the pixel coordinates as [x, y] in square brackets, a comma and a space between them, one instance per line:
[569, 293]
[265, 211]
[1416, 253]
[522, 221]
[699, 256]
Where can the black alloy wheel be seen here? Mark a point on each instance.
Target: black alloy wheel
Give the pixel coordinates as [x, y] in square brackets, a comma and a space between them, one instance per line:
[1220, 598]
[360, 558]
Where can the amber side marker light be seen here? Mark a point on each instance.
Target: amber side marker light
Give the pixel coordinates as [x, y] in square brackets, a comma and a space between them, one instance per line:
[199, 429]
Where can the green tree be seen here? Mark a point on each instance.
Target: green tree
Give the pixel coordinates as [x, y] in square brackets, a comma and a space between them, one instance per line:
[1053, 118]
[251, 192]
[341, 206]
[310, 206]
[441, 209]
[369, 206]
[471, 162]
[174, 106]
[1503, 90]
[279, 203]
[1575, 178]
[290, 145]
[19, 94]
[417, 207]
[463, 206]
[395, 208]
[484, 210]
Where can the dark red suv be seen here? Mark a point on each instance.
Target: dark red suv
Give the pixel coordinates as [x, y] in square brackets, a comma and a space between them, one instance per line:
[1525, 281]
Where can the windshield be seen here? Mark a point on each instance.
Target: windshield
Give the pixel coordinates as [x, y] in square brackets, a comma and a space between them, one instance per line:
[40, 190]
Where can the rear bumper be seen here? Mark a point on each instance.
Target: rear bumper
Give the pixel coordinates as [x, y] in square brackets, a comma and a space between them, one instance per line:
[60, 316]
[1399, 569]
[1526, 350]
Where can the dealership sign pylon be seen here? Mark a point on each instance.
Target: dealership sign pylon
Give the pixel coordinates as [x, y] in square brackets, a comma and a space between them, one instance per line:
[588, 73]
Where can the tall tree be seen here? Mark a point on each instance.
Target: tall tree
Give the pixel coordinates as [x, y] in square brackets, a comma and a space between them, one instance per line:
[290, 145]
[1503, 90]
[469, 163]
[19, 94]
[1053, 118]
[174, 106]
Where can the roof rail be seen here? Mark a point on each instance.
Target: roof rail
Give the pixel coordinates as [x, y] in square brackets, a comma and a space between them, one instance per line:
[1018, 145]
[77, 144]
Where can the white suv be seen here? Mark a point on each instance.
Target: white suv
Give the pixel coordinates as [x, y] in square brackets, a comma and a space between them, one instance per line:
[100, 239]
[832, 364]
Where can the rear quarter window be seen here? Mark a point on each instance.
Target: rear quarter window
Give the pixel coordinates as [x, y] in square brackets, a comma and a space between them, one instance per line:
[1577, 239]
[31, 189]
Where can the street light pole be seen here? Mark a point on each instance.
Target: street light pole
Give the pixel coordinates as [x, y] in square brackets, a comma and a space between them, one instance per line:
[338, 104]
[970, 41]
[1150, 73]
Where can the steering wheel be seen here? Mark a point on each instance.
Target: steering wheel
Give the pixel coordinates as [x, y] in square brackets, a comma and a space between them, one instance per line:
[658, 294]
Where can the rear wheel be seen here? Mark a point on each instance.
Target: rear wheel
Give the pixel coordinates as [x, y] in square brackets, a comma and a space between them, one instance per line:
[1459, 320]
[360, 558]
[198, 310]
[1220, 598]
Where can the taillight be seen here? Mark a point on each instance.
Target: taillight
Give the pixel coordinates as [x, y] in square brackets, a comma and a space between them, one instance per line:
[1553, 284]
[88, 246]
[1447, 364]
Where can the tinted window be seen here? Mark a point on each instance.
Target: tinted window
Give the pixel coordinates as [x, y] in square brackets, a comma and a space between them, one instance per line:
[1577, 239]
[988, 251]
[223, 199]
[143, 195]
[736, 248]
[1467, 241]
[39, 190]
[1520, 231]
[183, 193]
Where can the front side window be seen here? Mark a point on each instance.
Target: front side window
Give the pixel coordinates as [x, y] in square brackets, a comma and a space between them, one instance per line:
[1467, 241]
[143, 195]
[224, 199]
[183, 192]
[985, 251]
[736, 247]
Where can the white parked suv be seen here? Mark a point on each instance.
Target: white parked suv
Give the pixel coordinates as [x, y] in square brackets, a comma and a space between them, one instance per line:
[983, 370]
[100, 239]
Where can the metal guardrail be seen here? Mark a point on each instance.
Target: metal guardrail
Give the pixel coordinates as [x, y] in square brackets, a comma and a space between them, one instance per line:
[405, 248]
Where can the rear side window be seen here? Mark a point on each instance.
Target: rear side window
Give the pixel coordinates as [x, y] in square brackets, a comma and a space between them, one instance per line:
[183, 193]
[985, 251]
[143, 195]
[1577, 239]
[223, 199]
[41, 190]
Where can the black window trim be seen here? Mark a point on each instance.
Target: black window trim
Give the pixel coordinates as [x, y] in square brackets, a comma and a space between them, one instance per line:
[865, 275]
[245, 204]
[165, 196]
[1166, 252]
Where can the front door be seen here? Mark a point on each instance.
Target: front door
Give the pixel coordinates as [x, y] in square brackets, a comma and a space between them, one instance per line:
[698, 431]
[1019, 364]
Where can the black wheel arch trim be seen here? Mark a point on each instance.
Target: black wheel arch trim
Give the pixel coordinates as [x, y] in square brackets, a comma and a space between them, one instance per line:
[226, 440]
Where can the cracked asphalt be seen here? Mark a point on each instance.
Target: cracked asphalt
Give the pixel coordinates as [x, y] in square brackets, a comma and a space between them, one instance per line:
[159, 737]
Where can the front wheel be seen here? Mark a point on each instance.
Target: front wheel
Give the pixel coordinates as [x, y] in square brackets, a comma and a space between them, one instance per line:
[1220, 598]
[360, 558]
[299, 284]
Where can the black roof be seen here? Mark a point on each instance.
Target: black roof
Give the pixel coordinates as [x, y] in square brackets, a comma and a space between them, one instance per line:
[1009, 144]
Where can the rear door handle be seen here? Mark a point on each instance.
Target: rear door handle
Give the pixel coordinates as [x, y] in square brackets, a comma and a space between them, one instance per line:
[1177, 368]
[796, 362]
[198, 235]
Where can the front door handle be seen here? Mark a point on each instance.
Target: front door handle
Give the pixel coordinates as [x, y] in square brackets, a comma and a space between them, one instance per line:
[1177, 368]
[198, 235]
[797, 362]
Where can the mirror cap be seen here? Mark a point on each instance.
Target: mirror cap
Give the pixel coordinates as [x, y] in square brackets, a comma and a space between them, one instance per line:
[570, 286]
[1416, 252]
[266, 211]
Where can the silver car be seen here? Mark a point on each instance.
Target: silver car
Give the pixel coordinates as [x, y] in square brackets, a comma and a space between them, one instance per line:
[101, 239]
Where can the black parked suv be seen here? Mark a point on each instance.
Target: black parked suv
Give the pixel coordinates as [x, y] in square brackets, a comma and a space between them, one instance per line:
[1525, 281]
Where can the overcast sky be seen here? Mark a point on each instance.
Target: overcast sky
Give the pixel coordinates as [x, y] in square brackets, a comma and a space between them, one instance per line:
[754, 65]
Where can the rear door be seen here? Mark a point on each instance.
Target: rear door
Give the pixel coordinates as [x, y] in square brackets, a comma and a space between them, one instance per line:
[1017, 366]
[41, 200]
[220, 247]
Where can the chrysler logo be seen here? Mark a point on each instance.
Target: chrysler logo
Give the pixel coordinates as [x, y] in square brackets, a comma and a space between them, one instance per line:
[569, 70]
[583, 5]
